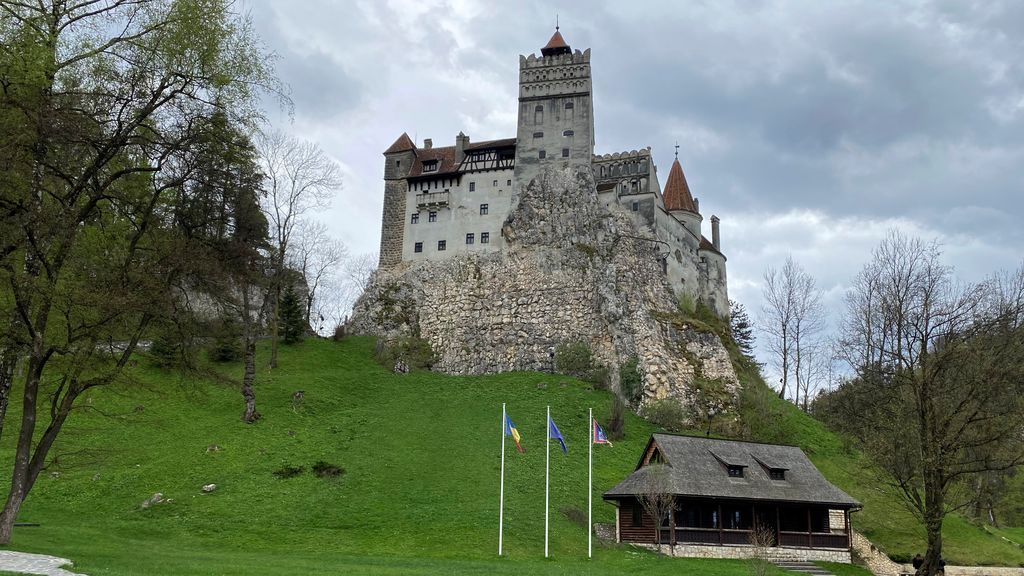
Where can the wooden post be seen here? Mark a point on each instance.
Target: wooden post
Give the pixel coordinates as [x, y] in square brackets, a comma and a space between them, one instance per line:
[672, 524]
[810, 543]
[849, 534]
[720, 522]
[778, 527]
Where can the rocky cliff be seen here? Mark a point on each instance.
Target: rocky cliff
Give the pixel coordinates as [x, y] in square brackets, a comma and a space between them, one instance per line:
[573, 271]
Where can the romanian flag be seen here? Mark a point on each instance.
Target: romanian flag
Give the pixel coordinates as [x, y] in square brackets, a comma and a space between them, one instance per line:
[599, 437]
[510, 430]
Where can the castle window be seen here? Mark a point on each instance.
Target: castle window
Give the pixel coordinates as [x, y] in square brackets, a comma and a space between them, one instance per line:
[542, 154]
[398, 163]
[495, 184]
[472, 186]
[509, 183]
[485, 237]
[442, 245]
[538, 115]
[565, 152]
[418, 247]
[432, 217]
[568, 133]
[469, 238]
[483, 209]
[430, 165]
[602, 171]
[538, 134]
[568, 105]
[636, 206]
[415, 218]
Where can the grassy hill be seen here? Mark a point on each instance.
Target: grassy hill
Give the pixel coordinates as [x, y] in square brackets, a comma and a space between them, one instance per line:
[419, 490]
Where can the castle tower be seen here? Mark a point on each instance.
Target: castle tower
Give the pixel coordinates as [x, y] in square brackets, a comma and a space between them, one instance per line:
[678, 200]
[556, 120]
[398, 160]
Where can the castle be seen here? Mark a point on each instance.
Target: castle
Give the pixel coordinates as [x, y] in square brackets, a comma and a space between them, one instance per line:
[444, 201]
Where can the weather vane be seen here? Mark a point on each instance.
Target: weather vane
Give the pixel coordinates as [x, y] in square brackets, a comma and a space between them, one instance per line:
[677, 149]
[556, 22]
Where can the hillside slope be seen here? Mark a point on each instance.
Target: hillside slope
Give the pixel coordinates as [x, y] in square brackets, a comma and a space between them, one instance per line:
[419, 491]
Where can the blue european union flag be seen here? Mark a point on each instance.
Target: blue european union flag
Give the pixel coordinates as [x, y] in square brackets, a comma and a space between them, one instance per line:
[554, 433]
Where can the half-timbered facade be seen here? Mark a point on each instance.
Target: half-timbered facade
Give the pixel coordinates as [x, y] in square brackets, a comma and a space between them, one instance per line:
[734, 499]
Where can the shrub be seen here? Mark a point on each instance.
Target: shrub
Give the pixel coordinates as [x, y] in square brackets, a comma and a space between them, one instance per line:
[227, 343]
[667, 413]
[291, 317]
[576, 359]
[686, 304]
[415, 352]
[574, 515]
[631, 384]
[323, 469]
[288, 471]
[616, 425]
[339, 333]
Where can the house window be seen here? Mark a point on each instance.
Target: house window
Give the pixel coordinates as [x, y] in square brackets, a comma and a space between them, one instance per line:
[418, 247]
[472, 186]
[735, 471]
[398, 163]
[432, 217]
[430, 165]
[469, 238]
[565, 152]
[416, 218]
[568, 133]
[542, 154]
[442, 245]
[483, 209]
[638, 516]
[485, 237]
[636, 206]
[777, 474]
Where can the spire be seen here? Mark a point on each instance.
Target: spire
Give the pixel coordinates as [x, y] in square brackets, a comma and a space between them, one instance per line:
[556, 45]
[677, 192]
[403, 144]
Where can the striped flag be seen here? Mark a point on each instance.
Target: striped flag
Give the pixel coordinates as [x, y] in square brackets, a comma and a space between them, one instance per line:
[599, 437]
[511, 430]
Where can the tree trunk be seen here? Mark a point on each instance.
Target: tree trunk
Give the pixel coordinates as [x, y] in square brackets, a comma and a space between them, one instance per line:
[250, 415]
[8, 361]
[785, 361]
[19, 475]
[933, 516]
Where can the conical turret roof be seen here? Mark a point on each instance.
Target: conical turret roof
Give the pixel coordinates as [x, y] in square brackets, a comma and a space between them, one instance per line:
[556, 45]
[403, 144]
[677, 192]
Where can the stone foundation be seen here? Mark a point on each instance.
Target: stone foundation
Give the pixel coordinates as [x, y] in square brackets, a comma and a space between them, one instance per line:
[772, 554]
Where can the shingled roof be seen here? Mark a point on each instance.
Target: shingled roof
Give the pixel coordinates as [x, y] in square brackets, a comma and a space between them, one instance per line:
[403, 144]
[706, 244]
[698, 467]
[444, 155]
[557, 45]
[677, 192]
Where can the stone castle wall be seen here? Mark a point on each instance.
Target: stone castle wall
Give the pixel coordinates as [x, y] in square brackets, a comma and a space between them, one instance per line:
[573, 271]
[392, 222]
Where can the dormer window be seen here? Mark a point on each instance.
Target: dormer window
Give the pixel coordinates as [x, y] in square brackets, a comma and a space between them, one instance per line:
[430, 165]
[735, 471]
[777, 474]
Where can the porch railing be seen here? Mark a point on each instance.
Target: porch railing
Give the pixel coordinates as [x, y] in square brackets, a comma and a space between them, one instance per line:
[742, 537]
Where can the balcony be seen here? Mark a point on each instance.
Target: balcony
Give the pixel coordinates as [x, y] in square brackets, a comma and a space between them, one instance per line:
[432, 199]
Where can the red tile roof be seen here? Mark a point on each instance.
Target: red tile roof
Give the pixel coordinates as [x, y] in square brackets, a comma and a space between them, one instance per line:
[503, 143]
[403, 144]
[706, 244]
[556, 41]
[444, 155]
[677, 192]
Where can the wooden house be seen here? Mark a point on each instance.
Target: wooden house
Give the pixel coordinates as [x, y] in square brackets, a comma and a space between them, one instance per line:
[734, 499]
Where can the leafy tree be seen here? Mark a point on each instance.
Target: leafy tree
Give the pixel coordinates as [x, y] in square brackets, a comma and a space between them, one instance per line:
[937, 397]
[293, 321]
[101, 102]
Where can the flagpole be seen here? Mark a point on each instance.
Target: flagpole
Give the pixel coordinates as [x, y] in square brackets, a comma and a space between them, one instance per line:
[501, 497]
[590, 487]
[547, 478]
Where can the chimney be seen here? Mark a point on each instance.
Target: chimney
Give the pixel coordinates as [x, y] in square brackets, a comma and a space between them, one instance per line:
[696, 205]
[716, 238]
[428, 143]
[460, 147]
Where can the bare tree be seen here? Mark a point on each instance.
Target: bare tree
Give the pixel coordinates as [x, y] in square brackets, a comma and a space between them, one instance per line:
[790, 318]
[657, 498]
[300, 177]
[317, 257]
[940, 367]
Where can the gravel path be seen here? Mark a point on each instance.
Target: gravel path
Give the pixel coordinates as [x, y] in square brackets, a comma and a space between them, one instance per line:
[26, 563]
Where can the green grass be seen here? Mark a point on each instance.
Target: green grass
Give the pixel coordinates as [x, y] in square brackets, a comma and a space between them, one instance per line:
[418, 496]
[844, 569]
[1014, 534]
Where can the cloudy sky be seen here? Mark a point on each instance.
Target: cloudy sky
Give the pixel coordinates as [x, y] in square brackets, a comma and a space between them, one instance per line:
[809, 128]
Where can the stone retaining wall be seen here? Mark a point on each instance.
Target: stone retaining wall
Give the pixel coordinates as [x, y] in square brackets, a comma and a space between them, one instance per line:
[771, 554]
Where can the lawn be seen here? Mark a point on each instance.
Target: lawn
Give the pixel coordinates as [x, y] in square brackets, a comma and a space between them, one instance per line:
[419, 492]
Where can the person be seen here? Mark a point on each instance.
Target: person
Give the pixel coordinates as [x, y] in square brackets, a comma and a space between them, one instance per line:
[917, 562]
